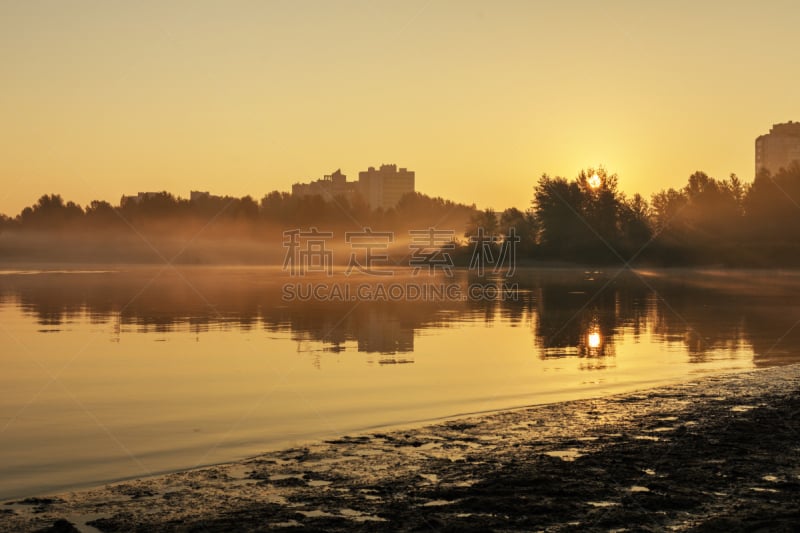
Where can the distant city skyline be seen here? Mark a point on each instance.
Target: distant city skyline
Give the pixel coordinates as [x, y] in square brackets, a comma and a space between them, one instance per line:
[104, 99]
[382, 188]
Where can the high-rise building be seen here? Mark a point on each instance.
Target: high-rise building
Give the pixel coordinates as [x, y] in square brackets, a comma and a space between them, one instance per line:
[779, 148]
[385, 186]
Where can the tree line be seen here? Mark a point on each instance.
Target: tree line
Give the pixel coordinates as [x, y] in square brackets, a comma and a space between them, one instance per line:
[708, 221]
[587, 219]
[231, 216]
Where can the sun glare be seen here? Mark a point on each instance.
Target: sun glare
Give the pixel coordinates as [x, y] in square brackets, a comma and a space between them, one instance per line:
[594, 340]
[595, 181]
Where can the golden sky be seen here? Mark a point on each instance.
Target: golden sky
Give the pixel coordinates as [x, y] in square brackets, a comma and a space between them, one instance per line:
[103, 98]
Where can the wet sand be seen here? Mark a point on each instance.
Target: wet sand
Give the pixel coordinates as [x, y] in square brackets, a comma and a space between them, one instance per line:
[718, 454]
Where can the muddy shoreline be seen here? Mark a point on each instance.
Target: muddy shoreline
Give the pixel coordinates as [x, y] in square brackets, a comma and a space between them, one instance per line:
[717, 454]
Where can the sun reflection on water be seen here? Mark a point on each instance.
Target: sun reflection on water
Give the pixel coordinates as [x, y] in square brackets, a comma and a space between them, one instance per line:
[593, 339]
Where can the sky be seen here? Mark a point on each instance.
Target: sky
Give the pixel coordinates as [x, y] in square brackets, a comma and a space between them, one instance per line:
[104, 98]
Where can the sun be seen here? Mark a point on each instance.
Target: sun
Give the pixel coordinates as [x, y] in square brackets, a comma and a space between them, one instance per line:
[595, 181]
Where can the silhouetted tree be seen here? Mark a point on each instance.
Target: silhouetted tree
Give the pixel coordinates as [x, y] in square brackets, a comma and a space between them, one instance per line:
[525, 227]
[772, 214]
[5, 222]
[156, 205]
[702, 222]
[244, 208]
[485, 220]
[581, 219]
[557, 207]
[50, 212]
[635, 229]
[418, 211]
[600, 204]
[667, 205]
[100, 211]
[713, 213]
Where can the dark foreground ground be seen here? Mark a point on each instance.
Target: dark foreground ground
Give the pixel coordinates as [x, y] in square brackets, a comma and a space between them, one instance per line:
[719, 454]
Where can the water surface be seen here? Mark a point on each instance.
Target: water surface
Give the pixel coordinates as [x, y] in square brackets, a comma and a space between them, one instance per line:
[125, 372]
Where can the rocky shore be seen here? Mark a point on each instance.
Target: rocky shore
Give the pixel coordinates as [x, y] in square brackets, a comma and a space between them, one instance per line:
[718, 454]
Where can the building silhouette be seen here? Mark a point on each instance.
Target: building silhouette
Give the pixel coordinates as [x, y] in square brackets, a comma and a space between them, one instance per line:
[779, 148]
[329, 187]
[385, 186]
[379, 188]
[138, 198]
[199, 196]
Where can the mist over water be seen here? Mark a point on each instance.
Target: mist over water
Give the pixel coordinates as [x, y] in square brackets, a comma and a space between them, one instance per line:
[125, 371]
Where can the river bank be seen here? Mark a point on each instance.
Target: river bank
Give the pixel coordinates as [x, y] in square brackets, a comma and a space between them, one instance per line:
[718, 453]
